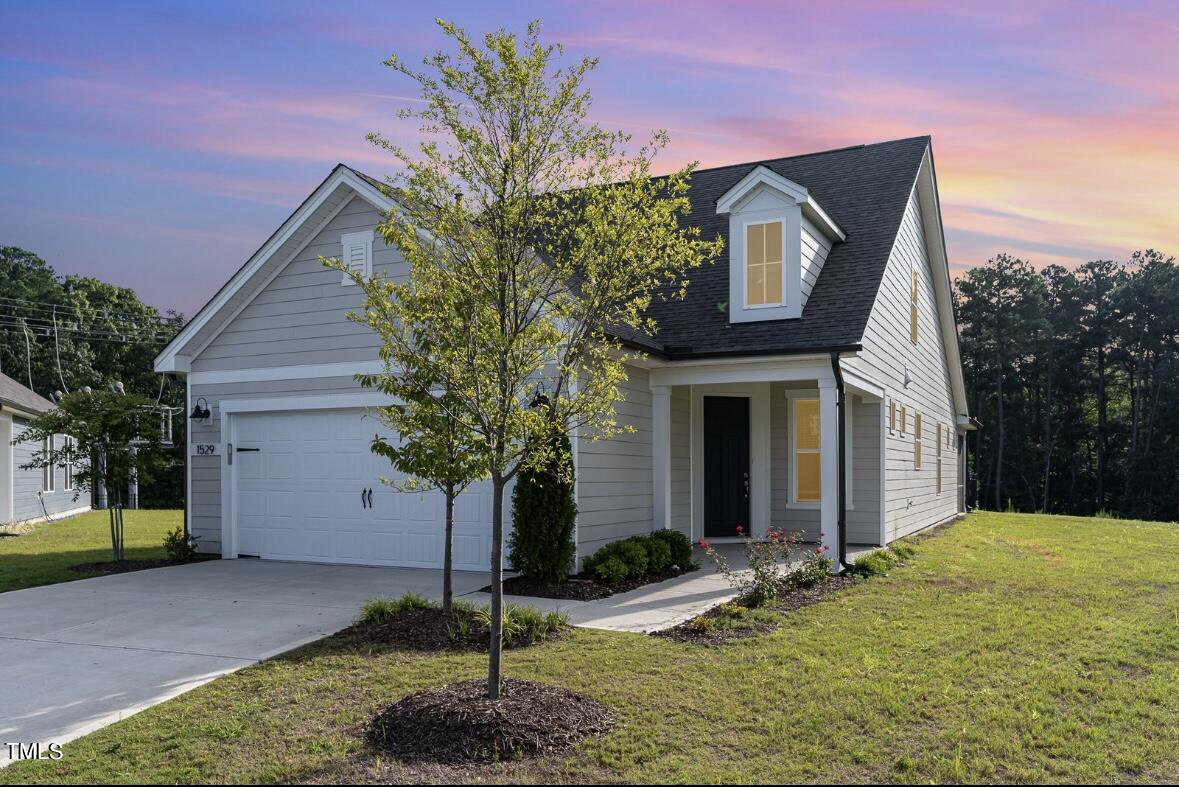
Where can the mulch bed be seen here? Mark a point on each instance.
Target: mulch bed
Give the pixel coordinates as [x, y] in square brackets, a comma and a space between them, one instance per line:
[123, 566]
[792, 600]
[458, 724]
[432, 630]
[578, 587]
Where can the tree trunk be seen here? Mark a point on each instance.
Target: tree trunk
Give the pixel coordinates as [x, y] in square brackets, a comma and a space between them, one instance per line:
[1101, 425]
[1047, 436]
[497, 586]
[999, 427]
[448, 555]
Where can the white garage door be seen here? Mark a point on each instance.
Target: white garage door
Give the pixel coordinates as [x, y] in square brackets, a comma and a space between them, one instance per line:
[299, 497]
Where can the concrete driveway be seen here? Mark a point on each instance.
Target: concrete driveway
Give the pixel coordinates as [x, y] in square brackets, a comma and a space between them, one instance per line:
[80, 655]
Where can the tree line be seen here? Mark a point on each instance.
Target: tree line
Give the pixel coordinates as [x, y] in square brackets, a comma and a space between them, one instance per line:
[1074, 375]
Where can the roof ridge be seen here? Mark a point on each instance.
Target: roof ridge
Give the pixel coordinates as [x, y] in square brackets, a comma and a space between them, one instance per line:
[764, 161]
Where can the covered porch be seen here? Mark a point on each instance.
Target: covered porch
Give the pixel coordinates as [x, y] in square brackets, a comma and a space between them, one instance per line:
[739, 447]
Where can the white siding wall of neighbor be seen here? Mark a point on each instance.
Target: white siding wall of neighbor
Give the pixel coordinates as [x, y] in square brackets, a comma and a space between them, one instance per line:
[911, 498]
[614, 483]
[28, 485]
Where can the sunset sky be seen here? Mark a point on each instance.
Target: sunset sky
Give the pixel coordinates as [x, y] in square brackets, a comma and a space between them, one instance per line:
[157, 145]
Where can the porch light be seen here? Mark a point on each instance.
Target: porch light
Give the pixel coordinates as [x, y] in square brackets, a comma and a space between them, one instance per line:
[200, 413]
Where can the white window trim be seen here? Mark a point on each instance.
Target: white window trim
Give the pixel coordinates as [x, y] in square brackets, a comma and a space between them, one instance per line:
[48, 482]
[745, 263]
[349, 241]
[792, 427]
[68, 481]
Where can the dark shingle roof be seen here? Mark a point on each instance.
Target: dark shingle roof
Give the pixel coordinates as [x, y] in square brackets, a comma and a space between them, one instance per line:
[865, 189]
[15, 395]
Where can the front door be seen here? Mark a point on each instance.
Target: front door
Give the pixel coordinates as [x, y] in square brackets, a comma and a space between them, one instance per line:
[726, 465]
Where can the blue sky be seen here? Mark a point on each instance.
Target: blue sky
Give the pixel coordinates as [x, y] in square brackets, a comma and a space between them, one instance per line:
[156, 145]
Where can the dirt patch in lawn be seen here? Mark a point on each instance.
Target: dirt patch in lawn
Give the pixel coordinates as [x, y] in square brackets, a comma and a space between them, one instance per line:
[123, 566]
[737, 620]
[458, 724]
[432, 629]
[581, 588]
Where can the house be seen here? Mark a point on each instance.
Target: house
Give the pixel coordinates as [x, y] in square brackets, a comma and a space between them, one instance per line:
[834, 288]
[30, 495]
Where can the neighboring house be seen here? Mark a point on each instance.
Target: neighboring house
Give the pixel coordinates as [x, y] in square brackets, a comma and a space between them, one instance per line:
[37, 493]
[834, 279]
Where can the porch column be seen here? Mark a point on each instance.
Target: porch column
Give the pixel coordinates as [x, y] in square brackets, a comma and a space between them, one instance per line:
[661, 456]
[829, 467]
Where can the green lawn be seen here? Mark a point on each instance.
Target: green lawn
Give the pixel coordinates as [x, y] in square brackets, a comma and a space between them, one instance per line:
[43, 554]
[1011, 649]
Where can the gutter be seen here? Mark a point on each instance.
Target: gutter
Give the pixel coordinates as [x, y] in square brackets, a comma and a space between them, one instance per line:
[841, 453]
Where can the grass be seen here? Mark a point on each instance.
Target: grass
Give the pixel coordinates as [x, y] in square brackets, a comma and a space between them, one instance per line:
[43, 553]
[1009, 648]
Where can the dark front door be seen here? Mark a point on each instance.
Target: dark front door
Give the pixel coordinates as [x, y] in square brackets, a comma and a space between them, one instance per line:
[726, 465]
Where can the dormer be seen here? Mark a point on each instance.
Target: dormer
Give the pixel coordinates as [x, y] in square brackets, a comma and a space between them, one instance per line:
[779, 237]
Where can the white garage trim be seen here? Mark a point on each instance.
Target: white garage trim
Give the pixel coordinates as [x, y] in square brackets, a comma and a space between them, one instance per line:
[230, 407]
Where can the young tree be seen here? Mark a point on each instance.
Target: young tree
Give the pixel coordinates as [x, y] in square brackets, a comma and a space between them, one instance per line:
[533, 239]
[114, 438]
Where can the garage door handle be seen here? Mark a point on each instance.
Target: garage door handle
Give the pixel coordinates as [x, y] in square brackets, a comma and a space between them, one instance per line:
[366, 500]
[370, 497]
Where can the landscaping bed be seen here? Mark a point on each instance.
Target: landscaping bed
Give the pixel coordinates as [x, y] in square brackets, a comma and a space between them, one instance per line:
[104, 567]
[414, 623]
[458, 724]
[739, 619]
[581, 587]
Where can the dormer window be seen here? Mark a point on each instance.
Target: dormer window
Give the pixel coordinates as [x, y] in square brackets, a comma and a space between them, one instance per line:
[779, 237]
[763, 264]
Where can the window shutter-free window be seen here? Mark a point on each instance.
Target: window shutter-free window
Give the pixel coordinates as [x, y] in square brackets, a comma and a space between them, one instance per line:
[47, 453]
[892, 415]
[69, 464]
[917, 441]
[904, 419]
[357, 254]
[763, 264]
[939, 456]
[913, 308]
[807, 452]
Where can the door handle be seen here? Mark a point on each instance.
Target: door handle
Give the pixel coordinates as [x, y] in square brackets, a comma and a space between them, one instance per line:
[363, 503]
[370, 497]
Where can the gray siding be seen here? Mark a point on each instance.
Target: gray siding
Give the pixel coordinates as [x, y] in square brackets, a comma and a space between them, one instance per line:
[815, 247]
[614, 487]
[28, 485]
[299, 317]
[911, 499]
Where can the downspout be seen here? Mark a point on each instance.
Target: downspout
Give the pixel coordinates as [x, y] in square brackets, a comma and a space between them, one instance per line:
[841, 461]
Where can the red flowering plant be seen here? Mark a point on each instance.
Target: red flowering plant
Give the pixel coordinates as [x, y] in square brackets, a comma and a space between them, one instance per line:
[776, 564]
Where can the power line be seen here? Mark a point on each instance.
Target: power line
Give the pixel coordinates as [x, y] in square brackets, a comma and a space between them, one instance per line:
[49, 306]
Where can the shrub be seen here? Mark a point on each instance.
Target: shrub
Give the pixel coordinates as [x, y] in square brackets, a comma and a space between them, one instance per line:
[630, 552]
[543, 515]
[703, 623]
[732, 610]
[902, 550]
[610, 571]
[180, 546]
[658, 554]
[770, 566]
[680, 546]
[873, 563]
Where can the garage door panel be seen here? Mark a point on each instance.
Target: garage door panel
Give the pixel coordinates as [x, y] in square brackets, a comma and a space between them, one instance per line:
[299, 497]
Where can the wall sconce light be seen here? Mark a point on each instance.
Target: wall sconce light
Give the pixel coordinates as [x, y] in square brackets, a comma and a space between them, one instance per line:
[200, 413]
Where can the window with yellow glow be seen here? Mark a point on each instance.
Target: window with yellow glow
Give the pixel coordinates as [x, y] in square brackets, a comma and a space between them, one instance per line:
[917, 441]
[913, 309]
[763, 264]
[807, 453]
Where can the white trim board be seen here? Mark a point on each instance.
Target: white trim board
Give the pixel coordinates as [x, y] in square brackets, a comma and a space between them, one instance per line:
[300, 372]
